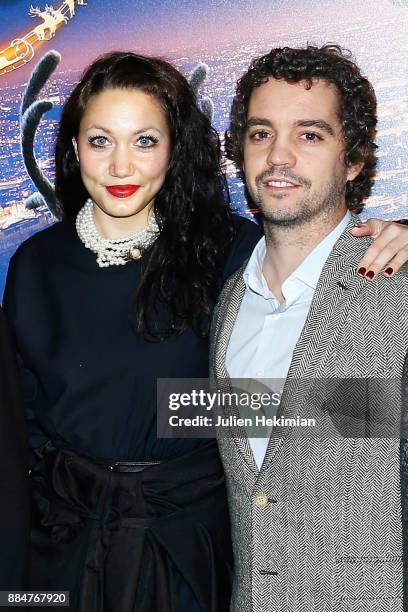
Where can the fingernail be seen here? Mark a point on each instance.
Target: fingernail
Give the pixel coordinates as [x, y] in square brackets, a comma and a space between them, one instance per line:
[361, 271]
[389, 271]
[370, 275]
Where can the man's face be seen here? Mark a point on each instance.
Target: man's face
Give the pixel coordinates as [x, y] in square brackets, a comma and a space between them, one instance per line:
[294, 152]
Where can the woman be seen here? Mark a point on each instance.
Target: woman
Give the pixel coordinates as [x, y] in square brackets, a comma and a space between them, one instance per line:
[102, 304]
[117, 295]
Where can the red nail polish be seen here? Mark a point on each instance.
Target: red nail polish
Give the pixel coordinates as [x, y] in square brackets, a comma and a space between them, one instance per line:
[361, 271]
[389, 271]
[370, 275]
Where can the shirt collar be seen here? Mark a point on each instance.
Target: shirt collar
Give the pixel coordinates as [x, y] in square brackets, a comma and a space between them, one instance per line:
[311, 267]
[309, 270]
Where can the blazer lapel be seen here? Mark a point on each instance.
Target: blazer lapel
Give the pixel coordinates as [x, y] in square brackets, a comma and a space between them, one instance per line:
[228, 314]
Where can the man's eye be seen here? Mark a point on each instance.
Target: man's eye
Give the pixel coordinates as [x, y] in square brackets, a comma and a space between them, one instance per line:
[259, 135]
[146, 141]
[98, 141]
[311, 137]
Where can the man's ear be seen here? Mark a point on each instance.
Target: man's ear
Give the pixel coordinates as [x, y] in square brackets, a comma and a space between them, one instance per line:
[354, 170]
[74, 144]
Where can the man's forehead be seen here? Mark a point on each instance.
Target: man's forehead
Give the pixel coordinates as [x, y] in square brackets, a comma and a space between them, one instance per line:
[278, 97]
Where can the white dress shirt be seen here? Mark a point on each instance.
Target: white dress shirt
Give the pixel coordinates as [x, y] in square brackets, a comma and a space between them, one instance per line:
[266, 332]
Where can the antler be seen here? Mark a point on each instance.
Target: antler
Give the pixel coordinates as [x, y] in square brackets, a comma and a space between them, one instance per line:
[197, 79]
[32, 112]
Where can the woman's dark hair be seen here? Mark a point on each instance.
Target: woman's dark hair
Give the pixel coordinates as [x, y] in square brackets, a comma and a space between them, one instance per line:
[357, 105]
[183, 267]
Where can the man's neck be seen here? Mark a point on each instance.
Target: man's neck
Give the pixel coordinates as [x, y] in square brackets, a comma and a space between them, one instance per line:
[287, 247]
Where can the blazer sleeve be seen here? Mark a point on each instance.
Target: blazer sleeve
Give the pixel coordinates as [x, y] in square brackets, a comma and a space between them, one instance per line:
[404, 479]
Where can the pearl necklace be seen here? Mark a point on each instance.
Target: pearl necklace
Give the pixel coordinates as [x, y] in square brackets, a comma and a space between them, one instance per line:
[113, 251]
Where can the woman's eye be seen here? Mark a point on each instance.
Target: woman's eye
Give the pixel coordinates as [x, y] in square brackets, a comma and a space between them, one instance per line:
[146, 141]
[311, 137]
[98, 141]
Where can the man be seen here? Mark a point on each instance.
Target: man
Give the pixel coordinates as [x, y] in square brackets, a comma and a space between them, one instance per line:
[316, 521]
[14, 503]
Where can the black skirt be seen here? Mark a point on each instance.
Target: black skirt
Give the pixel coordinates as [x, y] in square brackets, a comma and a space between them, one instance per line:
[153, 541]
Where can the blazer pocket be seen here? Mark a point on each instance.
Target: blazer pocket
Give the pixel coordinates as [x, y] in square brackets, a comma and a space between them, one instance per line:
[368, 578]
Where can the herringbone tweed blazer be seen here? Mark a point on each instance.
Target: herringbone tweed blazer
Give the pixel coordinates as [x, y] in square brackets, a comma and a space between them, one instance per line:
[330, 537]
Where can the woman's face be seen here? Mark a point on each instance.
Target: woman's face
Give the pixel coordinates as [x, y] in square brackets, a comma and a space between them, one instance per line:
[123, 148]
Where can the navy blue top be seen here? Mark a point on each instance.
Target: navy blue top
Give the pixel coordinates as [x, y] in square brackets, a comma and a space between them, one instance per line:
[89, 381]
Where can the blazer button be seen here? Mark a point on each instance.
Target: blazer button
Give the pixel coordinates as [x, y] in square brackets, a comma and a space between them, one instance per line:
[261, 500]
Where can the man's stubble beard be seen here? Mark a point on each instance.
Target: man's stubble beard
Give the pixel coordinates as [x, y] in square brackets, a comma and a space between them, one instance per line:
[319, 206]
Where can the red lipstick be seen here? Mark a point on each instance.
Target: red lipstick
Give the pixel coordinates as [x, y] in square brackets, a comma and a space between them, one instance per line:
[122, 191]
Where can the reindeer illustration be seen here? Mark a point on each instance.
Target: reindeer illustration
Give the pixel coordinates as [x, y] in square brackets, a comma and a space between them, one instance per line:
[47, 29]
[57, 15]
[70, 4]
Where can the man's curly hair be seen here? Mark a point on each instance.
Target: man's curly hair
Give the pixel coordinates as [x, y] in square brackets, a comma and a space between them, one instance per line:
[357, 105]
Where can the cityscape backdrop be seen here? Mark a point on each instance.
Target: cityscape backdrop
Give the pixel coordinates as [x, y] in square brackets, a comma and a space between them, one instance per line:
[225, 35]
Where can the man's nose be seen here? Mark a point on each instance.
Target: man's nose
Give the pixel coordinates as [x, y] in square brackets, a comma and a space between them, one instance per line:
[281, 153]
